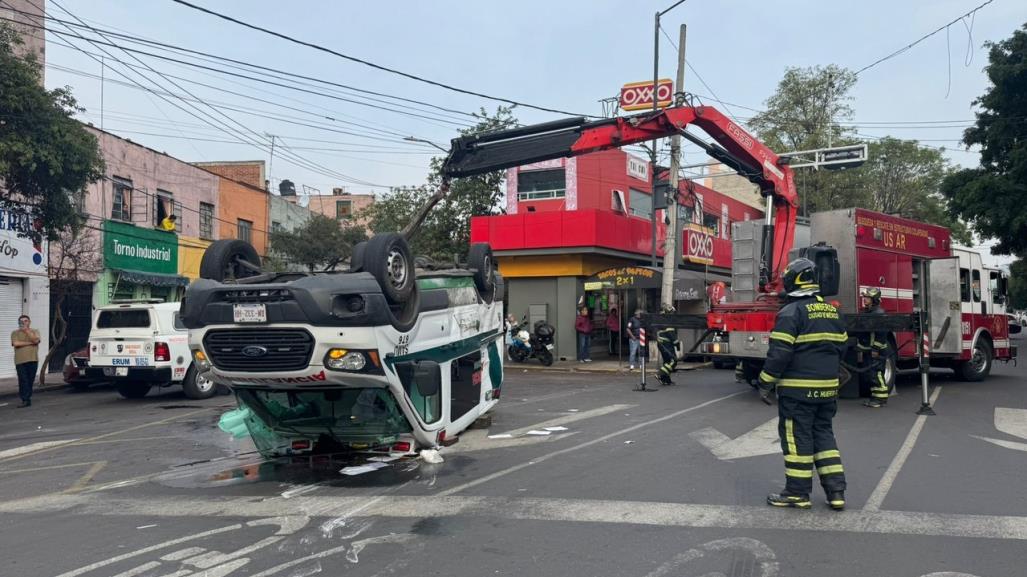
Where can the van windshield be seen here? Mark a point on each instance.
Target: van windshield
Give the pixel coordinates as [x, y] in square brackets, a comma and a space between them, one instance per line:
[124, 319]
[342, 413]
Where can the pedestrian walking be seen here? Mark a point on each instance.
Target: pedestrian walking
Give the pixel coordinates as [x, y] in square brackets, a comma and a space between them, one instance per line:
[806, 346]
[632, 328]
[872, 353]
[613, 327]
[25, 341]
[583, 326]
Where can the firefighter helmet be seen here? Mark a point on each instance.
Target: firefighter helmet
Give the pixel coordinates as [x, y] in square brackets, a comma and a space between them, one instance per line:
[871, 296]
[800, 278]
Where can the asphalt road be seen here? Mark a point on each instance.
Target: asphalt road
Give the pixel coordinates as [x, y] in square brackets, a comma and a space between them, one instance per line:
[667, 483]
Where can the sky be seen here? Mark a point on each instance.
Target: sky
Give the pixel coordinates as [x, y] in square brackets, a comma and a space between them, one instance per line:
[562, 55]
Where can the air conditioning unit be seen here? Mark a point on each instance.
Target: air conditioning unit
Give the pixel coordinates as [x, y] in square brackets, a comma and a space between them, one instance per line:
[338, 191]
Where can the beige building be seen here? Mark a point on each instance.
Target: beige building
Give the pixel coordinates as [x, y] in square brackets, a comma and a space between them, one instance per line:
[340, 205]
[720, 179]
[27, 16]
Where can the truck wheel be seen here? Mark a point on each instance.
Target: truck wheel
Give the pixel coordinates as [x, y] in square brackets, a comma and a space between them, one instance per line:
[387, 258]
[223, 260]
[133, 389]
[356, 260]
[979, 365]
[404, 317]
[481, 262]
[198, 386]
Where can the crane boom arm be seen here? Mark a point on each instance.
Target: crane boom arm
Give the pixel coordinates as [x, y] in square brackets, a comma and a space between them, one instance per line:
[471, 155]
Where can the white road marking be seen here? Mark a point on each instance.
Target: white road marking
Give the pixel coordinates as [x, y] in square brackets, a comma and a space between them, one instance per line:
[1004, 444]
[138, 570]
[478, 440]
[886, 482]
[547, 456]
[33, 447]
[1011, 421]
[763, 440]
[1001, 527]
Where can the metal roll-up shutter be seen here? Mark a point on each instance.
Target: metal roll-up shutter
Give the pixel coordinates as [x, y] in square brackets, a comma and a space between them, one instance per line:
[10, 310]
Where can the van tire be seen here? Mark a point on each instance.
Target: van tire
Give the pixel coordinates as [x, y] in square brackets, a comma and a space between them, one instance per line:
[132, 389]
[480, 261]
[403, 318]
[387, 258]
[356, 259]
[196, 386]
[221, 260]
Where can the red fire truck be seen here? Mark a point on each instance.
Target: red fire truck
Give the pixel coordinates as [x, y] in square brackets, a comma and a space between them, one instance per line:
[906, 259]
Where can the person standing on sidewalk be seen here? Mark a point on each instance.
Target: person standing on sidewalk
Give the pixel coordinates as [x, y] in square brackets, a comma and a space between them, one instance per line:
[25, 341]
[583, 326]
[613, 326]
[634, 324]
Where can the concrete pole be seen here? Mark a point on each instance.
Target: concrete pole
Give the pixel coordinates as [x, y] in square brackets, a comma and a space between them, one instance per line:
[671, 248]
[655, 156]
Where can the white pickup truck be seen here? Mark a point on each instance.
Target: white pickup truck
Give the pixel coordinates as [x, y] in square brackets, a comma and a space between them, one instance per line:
[139, 344]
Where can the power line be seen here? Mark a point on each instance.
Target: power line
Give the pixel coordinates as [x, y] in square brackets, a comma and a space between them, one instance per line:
[372, 64]
[919, 40]
[699, 76]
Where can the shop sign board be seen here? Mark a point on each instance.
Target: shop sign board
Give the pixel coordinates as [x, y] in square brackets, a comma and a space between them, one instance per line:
[128, 247]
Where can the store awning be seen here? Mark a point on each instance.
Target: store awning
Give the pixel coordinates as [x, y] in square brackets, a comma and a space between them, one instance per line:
[152, 278]
[688, 284]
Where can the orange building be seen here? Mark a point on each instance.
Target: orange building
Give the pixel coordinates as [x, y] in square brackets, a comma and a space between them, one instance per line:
[243, 213]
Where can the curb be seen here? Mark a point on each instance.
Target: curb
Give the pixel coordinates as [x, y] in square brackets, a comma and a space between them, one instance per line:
[579, 369]
[45, 389]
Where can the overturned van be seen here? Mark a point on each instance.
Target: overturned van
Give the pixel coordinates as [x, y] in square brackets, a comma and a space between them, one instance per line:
[386, 356]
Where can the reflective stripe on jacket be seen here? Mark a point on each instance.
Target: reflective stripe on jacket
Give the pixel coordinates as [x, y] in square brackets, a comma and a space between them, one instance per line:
[806, 345]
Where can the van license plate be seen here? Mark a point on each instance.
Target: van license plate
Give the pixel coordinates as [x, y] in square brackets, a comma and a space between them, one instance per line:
[250, 313]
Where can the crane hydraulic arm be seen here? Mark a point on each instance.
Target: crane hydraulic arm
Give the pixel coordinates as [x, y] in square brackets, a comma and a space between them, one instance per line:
[471, 155]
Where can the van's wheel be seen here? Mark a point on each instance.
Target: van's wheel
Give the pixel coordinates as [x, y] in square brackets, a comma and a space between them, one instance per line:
[132, 389]
[481, 262]
[404, 317]
[387, 258]
[197, 385]
[979, 365]
[229, 260]
[356, 259]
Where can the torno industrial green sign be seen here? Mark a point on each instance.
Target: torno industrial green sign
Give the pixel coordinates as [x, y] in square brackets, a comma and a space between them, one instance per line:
[128, 247]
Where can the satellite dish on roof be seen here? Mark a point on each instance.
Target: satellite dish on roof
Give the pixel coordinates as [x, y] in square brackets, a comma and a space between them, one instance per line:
[287, 188]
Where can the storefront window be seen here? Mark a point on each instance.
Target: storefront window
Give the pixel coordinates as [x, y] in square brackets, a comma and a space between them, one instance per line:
[641, 203]
[541, 184]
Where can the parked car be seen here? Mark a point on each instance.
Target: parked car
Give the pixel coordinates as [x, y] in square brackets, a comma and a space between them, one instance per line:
[74, 369]
[139, 344]
[1015, 324]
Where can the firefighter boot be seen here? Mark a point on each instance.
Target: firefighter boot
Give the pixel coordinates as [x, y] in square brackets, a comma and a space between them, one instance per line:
[836, 500]
[786, 499]
[875, 403]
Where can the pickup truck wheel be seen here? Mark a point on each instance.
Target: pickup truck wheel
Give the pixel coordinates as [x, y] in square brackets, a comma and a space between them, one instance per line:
[387, 258]
[229, 260]
[481, 262]
[198, 386]
[133, 389]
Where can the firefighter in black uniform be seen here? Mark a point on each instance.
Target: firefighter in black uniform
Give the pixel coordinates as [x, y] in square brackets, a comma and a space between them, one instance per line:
[873, 352]
[666, 341]
[806, 345]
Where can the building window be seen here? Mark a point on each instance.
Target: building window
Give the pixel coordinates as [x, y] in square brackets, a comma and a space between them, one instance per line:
[206, 221]
[713, 223]
[121, 205]
[541, 184]
[343, 209]
[276, 226]
[641, 204]
[685, 214]
[245, 231]
[163, 206]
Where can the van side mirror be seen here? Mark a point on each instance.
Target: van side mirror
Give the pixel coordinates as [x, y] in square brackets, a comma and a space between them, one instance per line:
[428, 378]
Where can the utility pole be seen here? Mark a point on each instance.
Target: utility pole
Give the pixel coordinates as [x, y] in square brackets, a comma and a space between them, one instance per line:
[271, 162]
[671, 249]
[654, 157]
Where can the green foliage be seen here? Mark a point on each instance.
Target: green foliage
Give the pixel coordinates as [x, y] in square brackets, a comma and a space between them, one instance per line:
[805, 109]
[993, 197]
[1018, 285]
[45, 154]
[447, 230]
[320, 244]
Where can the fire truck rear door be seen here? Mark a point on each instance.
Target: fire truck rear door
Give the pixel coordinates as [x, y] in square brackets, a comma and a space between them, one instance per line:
[943, 305]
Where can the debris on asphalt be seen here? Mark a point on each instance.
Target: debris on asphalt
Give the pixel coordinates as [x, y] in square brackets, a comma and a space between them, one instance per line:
[501, 436]
[628, 442]
[145, 526]
[537, 433]
[361, 469]
[431, 456]
[556, 429]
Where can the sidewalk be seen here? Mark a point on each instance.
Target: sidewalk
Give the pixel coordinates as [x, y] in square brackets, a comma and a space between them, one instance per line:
[593, 367]
[9, 386]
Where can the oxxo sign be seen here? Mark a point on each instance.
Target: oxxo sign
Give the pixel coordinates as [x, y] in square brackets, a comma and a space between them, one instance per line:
[699, 247]
[639, 95]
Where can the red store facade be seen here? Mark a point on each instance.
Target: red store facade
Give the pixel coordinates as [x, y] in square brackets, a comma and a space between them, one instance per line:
[571, 222]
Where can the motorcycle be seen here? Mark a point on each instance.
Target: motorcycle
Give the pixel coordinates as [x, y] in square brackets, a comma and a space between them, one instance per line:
[525, 345]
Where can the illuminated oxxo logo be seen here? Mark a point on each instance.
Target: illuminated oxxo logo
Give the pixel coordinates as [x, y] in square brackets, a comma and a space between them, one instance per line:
[700, 246]
[639, 95]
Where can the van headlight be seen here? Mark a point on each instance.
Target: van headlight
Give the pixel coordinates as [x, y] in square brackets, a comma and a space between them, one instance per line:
[345, 360]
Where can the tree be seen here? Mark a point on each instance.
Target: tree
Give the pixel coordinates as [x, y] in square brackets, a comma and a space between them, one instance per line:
[43, 150]
[1018, 285]
[446, 230]
[75, 256]
[992, 196]
[320, 244]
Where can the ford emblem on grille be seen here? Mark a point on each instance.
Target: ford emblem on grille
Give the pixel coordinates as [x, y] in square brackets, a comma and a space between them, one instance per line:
[254, 351]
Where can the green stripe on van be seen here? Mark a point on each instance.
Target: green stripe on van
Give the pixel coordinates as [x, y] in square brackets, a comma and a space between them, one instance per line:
[446, 352]
[445, 282]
